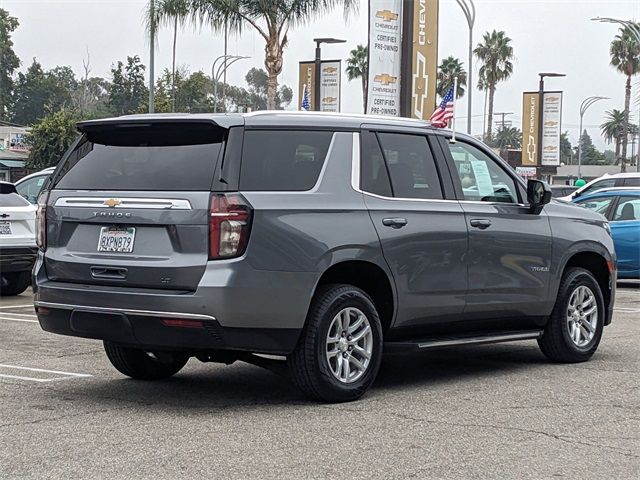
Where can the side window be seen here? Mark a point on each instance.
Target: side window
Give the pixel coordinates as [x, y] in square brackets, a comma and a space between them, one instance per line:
[599, 186]
[30, 189]
[411, 166]
[481, 177]
[283, 160]
[628, 209]
[632, 182]
[599, 205]
[374, 177]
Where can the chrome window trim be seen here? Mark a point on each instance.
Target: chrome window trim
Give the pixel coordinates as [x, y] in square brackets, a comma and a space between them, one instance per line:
[126, 311]
[139, 203]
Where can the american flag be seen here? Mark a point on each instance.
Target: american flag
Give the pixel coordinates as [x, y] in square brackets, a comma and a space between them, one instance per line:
[444, 112]
[306, 101]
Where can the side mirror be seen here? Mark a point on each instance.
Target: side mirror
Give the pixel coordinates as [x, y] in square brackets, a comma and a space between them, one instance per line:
[538, 195]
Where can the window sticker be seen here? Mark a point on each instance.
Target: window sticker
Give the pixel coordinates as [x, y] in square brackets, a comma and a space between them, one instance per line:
[483, 178]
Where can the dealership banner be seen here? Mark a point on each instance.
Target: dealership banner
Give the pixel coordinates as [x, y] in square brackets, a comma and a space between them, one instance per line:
[530, 128]
[330, 85]
[385, 57]
[424, 58]
[307, 76]
[551, 128]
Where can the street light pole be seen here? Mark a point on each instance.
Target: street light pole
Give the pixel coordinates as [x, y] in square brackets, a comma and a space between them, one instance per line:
[318, 69]
[469, 10]
[587, 102]
[152, 52]
[216, 74]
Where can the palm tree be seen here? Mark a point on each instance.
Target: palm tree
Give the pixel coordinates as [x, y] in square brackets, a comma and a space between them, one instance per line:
[358, 67]
[496, 55]
[171, 13]
[508, 137]
[625, 57]
[272, 20]
[612, 129]
[449, 68]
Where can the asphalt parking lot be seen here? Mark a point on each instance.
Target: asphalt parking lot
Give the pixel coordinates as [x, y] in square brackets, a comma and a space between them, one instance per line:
[498, 411]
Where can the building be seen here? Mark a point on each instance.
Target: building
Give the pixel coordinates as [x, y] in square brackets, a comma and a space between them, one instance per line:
[567, 174]
[13, 152]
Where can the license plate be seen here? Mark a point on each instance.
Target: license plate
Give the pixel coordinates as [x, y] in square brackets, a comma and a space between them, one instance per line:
[116, 239]
[5, 228]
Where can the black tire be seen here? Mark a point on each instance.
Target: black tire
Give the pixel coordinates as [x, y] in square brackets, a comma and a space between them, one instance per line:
[143, 365]
[14, 283]
[556, 343]
[308, 363]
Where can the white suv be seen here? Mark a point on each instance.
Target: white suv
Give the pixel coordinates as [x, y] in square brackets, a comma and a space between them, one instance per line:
[17, 241]
[630, 179]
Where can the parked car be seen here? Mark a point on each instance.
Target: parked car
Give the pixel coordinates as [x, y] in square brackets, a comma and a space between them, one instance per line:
[629, 179]
[321, 238]
[31, 185]
[17, 241]
[622, 209]
[562, 190]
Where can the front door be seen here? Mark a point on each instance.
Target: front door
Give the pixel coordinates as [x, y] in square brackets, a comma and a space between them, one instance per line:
[422, 233]
[509, 247]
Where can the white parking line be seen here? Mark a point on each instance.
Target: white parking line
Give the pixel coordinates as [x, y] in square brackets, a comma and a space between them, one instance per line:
[12, 319]
[4, 307]
[623, 309]
[62, 375]
[31, 369]
[40, 380]
[13, 314]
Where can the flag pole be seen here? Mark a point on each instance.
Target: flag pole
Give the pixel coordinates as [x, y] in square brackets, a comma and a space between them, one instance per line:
[453, 120]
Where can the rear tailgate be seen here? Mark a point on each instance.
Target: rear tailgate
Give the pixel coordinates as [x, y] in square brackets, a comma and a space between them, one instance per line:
[129, 206]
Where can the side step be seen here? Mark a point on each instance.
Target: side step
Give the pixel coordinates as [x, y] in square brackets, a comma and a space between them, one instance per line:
[453, 341]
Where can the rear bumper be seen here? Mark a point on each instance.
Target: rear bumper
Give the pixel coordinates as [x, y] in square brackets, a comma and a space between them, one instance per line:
[146, 329]
[17, 259]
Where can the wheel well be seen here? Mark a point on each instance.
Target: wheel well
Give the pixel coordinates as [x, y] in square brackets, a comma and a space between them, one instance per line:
[597, 265]
[369, 278]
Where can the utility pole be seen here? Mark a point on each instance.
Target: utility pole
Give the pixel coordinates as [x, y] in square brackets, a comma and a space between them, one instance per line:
[152, 48]
[503, 115]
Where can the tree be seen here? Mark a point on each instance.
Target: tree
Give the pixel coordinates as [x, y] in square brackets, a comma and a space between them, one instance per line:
[613, 129]
[171, 13]
[508, 137]
[590, 156]
[128, 92]
[625, 57]
[449, 68]
[50, 138]
[9, 61]
[358, 67]
[272, 20]
[566, 150]
[36, 91]
[496, 55]
[258, 82]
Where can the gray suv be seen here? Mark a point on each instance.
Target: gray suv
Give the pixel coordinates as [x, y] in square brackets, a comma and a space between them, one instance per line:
[323, 239]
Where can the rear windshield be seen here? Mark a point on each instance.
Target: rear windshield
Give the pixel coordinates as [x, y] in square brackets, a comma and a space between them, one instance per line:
[12, 200]
[146, 157]
[282, 160]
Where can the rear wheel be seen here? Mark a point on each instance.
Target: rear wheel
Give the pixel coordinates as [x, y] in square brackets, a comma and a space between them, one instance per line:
[338, 355]
[575, 327]
[142, 364]
[14, 283]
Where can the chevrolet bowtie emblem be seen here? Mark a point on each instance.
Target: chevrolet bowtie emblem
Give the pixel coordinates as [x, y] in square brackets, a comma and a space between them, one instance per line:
[112, 202]
[385, 79]
[386, 15]
[329, 69]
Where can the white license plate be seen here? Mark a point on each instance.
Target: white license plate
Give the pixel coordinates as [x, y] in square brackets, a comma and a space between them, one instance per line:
[116, 239]
[5, 228]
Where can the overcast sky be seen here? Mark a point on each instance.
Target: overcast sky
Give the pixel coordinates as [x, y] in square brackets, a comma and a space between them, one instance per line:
[548, 35]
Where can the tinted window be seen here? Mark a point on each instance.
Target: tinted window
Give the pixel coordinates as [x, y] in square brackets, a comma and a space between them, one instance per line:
[481, 177]
[599, 185]
[632, 182]
[153, 157]
[411, 166]
[282, 160]
[374, 177]
[628, 209]
[30, 189]
[12, 200]
[600, 205]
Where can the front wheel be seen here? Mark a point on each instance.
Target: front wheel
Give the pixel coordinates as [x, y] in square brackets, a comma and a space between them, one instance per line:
[338, 355]
[575, 327]
[142, 364]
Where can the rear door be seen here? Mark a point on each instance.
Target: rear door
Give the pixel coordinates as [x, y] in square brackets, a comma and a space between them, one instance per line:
[421, 229]
[129, 206]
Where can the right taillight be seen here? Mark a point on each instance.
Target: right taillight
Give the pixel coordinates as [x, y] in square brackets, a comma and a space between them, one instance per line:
[229, 225]
[41, 221]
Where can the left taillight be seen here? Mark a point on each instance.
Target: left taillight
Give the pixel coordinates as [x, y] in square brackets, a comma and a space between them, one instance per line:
[229, 225]
[41, 221]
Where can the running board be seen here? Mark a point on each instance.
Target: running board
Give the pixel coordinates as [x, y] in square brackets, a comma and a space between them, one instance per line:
[451, 341]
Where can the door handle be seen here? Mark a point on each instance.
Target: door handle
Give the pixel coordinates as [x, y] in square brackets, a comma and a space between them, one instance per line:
[481, 223]
[394, 222]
